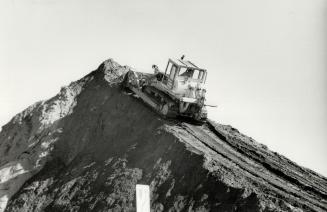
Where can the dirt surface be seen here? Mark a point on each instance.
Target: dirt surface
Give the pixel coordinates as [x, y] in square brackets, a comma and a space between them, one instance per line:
[86, 149]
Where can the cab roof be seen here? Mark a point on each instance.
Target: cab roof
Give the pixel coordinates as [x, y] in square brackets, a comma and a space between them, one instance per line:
[185, 63]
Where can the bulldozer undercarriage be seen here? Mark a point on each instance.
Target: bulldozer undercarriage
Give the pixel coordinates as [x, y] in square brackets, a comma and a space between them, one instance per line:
[165, 105]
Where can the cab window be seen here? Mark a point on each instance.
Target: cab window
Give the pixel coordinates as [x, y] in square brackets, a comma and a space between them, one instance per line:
[196, 74]
[168, 69]
[192, 73]
[172, 72]
[186, 72]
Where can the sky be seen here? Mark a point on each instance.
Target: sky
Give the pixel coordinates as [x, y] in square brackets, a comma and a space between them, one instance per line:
[266, 59]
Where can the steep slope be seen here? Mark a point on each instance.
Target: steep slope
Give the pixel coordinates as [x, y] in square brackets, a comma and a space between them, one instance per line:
[86, 148]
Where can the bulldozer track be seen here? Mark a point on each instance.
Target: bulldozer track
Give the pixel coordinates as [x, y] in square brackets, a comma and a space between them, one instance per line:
[276, 186]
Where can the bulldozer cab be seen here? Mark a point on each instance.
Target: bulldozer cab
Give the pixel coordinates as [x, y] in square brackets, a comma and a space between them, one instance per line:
[179, 72]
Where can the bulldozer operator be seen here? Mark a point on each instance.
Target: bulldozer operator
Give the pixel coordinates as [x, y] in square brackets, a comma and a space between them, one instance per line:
[188, 73]
[157, 74]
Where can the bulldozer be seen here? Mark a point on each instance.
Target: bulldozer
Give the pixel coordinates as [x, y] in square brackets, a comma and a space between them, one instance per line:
[176, 92]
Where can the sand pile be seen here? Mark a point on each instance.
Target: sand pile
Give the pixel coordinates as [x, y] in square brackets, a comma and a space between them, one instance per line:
[86, 148]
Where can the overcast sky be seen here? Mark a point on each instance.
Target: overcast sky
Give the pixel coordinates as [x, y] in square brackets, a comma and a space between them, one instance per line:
[266, 58]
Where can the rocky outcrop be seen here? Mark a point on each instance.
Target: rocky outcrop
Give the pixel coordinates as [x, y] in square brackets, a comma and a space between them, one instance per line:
[86, 149]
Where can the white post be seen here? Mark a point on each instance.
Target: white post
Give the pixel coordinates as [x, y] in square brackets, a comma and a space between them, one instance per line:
[142, 198]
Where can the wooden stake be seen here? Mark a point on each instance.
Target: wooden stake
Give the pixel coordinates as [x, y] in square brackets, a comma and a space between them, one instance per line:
[142, 198]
